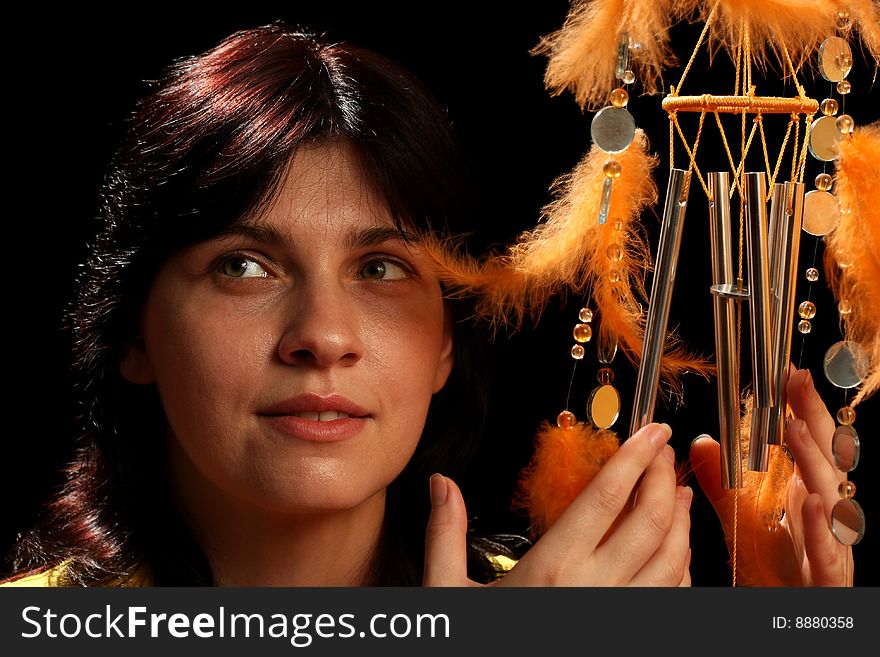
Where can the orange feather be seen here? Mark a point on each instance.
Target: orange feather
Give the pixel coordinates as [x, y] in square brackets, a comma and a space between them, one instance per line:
[563, 463]
[855, 243]
[583, 53]
[865, 15]
[801, 25]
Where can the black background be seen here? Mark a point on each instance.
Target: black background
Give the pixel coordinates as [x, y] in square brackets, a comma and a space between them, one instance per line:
[82, 70]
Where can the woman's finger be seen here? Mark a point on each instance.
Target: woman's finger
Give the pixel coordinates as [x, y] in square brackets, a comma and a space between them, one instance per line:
[669, 566]
[826, 556]
[686, 580]
[642, 531]
[446, 536]
[818, 474]
[706, 461]
[809, 407]
[587, 519]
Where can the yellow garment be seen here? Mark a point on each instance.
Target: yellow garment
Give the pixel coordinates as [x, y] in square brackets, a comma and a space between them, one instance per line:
[501, 562]
[56, 577]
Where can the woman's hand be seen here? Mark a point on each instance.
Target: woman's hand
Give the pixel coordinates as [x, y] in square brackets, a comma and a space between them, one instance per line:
[629, 527]
[802, 551]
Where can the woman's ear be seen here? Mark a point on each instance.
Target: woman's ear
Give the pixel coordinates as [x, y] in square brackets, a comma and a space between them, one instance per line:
[447, 352]
[135, 366]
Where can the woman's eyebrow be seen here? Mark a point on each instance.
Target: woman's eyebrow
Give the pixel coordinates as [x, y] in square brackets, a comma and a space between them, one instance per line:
[266, 234]
[357, 238]
[364, 237]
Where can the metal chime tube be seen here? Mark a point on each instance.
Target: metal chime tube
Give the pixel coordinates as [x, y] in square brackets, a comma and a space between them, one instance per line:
[661, 297]
[760, 319]
[784, 256]
[725, 330]
[765, 418]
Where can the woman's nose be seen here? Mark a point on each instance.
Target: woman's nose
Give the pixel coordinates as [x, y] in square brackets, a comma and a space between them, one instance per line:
[322, 328]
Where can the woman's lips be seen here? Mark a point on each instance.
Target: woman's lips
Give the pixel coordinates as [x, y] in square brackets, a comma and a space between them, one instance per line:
[317, 418]
[317, 430]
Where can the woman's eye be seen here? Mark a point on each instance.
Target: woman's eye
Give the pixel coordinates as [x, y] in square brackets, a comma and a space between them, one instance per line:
[242, 267]
[384, 270]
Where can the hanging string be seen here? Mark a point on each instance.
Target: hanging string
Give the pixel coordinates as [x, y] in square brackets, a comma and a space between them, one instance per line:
[690, 63]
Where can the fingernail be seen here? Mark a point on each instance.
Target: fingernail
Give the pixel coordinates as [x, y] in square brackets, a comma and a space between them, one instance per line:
[661, 435]
[700, 437]
[439, 490]
[669, 453]
[685, 495]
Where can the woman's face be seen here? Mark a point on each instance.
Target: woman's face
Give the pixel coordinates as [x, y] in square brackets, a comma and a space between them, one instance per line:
[296, 356]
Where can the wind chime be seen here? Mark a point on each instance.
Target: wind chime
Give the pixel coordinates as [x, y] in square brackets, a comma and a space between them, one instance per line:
[590, 240]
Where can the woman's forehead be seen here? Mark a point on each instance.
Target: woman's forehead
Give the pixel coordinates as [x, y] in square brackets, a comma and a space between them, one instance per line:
[325, 189]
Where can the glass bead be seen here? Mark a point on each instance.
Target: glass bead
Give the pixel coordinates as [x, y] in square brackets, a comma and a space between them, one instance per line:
[618, 224]
[846, 415]
[812, 274]
[804, 326]
[843, 23]
[844, 62]
[844, 307]
[605, 376]
[807, 310]
[582, 332]
[847, 522]
[828, 107]
[845, 448]
[845, 124]
[577, 352]
[565, 420]
[824, 182]
[611, 169]
[585, 315]
[846, 489]
[606, 349]
[628, 77]
[614, 276]
[844, 87]
[619, 97]
[844, 259]
[614, 252]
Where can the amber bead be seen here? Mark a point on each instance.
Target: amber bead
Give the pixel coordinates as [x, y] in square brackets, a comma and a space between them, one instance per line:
[582, 332]
[611, 169]
[828, 107]
[846, 489]
[565, 420]
[619, 97]
[824, 182]
[807, 310]
[846, 415]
